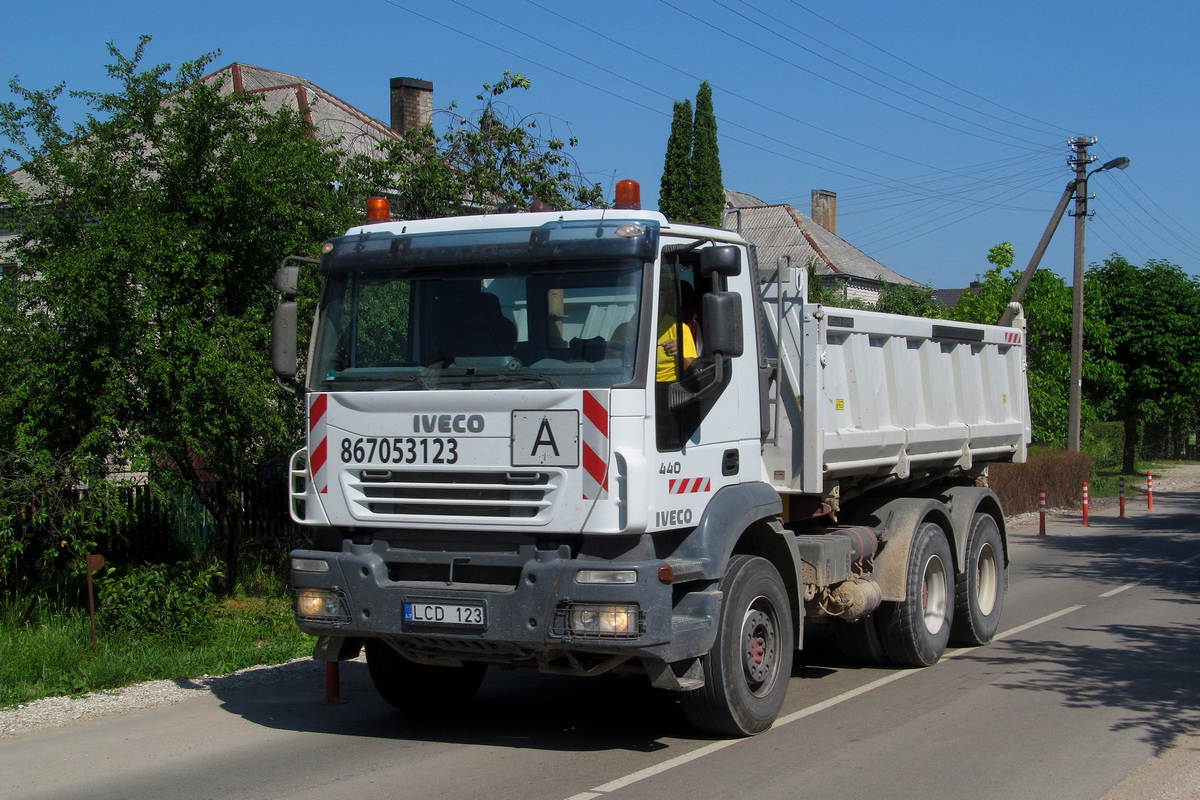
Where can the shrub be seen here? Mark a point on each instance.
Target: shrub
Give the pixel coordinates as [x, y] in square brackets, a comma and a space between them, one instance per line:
[1105, 443]
[159, 599]
[1059, 472]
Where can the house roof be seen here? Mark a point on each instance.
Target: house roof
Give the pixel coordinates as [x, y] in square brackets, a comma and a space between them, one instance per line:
[332, 117]
[779, 230]
[741, 200]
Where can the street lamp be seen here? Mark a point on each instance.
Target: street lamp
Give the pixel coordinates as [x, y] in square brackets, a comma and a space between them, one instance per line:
[1075, 394]
[1117, 163]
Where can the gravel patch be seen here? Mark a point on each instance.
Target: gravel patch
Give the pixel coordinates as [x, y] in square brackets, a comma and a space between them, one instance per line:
[55, 711]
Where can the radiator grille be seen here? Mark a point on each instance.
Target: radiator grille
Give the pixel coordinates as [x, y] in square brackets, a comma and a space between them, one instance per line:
[512, 496]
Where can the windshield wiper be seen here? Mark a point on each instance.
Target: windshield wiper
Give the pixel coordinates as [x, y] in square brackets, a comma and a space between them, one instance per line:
[504, 378]
[417, 379]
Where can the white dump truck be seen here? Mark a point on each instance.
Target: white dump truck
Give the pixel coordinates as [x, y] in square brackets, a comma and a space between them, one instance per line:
[598, 440]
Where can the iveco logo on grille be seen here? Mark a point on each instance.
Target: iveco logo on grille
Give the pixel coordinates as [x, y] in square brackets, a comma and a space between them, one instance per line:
[447, 423]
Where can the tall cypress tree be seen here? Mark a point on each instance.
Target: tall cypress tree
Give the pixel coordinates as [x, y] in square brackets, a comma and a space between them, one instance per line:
[674, 196]
[708, 190]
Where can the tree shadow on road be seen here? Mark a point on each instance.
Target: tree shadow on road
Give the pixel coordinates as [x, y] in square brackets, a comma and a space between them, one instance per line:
[1119, 551]
[1148, 671]
[1153, 684]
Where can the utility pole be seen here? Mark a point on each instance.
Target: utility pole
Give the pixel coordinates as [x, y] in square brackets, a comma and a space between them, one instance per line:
[1075, 398]
[1078, 188]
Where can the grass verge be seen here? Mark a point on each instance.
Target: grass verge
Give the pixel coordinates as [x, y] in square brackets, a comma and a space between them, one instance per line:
[46, 652]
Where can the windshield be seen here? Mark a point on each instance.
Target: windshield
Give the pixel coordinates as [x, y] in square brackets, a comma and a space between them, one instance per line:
[540, 324]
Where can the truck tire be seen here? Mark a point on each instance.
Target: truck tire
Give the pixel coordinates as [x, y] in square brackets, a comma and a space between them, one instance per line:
[747, 671]
[860, 641]
[421, 689]
[979, 589]
[915, 630]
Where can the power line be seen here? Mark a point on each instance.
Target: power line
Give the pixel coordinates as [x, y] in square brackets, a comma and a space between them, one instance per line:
[819, 76]
[726, 122]
[909, 64]
[872, 81]
[731, 93]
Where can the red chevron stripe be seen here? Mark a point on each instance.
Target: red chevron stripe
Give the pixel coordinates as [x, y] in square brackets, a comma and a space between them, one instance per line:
[318, 458]
[317, 411]
[596, 413]
[595, 466]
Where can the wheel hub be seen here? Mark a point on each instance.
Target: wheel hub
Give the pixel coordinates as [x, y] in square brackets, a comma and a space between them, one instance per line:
[934, 597]
[758, 652]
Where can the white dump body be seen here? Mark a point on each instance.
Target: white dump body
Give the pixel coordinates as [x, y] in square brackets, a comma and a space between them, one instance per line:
[885, 396]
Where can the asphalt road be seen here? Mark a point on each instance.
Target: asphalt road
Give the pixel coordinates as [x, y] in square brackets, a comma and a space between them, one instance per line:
[1092, 680]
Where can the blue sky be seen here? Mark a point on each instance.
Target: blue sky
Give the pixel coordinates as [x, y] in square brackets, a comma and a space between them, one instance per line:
[941, 126]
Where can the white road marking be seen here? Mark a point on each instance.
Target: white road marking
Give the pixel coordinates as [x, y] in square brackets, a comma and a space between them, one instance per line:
[1035, 623]
[715, 747]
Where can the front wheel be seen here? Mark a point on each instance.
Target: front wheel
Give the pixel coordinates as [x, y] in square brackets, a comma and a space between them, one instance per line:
[916, 629]
[979, 588]
[747, 671]
[422, 689]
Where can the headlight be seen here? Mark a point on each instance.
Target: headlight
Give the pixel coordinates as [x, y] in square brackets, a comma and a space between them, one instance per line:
[310, 565]
[321, 605]
[604, 620]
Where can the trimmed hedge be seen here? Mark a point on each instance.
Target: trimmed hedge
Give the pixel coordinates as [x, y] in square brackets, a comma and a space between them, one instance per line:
[1059, 472]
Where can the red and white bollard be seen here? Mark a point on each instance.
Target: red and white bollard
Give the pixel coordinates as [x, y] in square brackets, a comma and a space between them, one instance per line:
[1042, 513]
[1122, 492]
[1085, 505]
[333, 696]
[1149, 491]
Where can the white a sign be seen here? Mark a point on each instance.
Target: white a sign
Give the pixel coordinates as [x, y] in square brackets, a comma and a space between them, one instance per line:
[545, 438]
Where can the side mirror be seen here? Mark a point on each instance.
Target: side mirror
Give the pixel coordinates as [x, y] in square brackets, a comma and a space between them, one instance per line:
[724, 260]
[722, 315]
[287, 278]
[723, 341]
[283, 340]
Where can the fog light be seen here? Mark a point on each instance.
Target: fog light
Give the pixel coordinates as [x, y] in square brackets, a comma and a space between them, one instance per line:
[321, 605]
[605, 620]
[310, 565]
[606, 576]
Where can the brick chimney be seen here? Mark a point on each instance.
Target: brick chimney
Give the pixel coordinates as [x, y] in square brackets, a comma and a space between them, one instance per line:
[824, 209]
[412, 104]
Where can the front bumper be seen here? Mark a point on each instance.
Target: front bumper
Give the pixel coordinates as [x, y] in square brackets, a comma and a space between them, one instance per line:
[528, 594]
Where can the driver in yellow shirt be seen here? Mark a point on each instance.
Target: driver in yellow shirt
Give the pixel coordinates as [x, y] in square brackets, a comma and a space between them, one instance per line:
[669, 345]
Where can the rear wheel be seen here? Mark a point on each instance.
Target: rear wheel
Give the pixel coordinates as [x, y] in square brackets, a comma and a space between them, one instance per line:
[915, 630]
[420, 688]
[979, 589]
[747, 671]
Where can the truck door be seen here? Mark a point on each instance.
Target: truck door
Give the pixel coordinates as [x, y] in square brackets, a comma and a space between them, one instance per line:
[704, 444]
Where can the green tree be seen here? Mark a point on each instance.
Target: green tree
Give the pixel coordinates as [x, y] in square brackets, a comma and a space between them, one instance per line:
[708, 189]
[913, 301]
[675, 192]
[139, 311]
[986, 305]
[692, 189]
[1152, 316]
[1047, 306]
[491, 156]
[818, 292]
